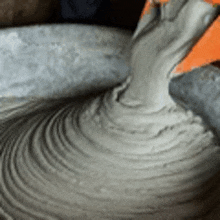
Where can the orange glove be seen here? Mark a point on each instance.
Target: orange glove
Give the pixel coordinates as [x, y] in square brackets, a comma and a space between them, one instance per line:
[207, 49]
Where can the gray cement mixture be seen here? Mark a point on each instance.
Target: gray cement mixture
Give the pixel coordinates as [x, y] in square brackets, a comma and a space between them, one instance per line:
[60, 60]
[67, 153]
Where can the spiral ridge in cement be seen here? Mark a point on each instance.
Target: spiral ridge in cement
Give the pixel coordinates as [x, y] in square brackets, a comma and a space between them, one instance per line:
[71, 159]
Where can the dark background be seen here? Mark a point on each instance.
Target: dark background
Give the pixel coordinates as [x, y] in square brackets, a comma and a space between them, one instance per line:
[117, 13]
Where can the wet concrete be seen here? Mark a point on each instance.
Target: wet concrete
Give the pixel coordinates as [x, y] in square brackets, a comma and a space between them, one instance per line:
[51, 61]
[199, 90]
[65, 61]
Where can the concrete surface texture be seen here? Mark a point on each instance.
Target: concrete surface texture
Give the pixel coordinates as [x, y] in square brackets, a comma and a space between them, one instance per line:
[60, 60]
[66, 153]
[199, 90]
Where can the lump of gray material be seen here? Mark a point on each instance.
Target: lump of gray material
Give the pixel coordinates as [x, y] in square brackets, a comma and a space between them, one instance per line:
[199, 90]
[53, 61]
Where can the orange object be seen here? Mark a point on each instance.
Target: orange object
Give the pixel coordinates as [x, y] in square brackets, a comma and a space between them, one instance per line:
[146, 9]
[213, 2]
[206, 51]
[149, 4]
